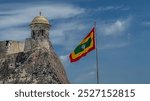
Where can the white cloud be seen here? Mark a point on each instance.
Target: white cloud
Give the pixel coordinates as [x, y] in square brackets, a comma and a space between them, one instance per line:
[65, 60]
[108, 8]
[146, 23]
[116, 27]
[65, 32]
[114, 45]
[114, 34]
[25, 15]
[14, 34]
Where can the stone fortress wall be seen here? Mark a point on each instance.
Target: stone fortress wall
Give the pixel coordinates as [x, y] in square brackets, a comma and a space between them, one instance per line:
[31, 44]
[11, 47]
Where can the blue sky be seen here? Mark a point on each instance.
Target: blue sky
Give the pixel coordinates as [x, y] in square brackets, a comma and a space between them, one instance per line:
[123, 33]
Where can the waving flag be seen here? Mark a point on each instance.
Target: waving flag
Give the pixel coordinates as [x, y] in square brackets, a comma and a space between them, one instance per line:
[84, 47]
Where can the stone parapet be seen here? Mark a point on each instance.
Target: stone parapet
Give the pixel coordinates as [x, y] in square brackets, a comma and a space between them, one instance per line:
[11, 47]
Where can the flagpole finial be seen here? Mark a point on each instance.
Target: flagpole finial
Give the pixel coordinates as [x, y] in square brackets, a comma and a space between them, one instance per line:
[40, 13]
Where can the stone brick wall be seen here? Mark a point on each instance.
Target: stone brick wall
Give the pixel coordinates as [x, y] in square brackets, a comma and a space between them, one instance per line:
[11, 47]
[31, 44]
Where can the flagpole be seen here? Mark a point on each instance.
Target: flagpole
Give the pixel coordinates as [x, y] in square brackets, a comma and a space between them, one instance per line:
[97, 66]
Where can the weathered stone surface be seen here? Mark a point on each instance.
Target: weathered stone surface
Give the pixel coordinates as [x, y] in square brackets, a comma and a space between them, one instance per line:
[40, 66]
[10, 47]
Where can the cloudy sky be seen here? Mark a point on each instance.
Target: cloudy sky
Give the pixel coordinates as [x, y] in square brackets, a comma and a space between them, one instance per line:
[123, 35]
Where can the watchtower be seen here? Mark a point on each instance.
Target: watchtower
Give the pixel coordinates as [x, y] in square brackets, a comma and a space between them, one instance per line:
[40, 27]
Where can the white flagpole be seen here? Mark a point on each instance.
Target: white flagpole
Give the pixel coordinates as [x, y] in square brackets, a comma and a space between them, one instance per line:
[97, 66]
